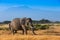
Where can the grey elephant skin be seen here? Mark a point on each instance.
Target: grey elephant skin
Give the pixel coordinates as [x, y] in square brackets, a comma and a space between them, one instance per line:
[21, 24]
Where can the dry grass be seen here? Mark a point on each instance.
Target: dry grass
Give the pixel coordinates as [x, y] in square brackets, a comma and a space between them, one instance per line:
[4, 35]
[50, 34]
[29, 37]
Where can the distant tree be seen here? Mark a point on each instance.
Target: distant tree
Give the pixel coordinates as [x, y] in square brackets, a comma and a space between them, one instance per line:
[1, 22]
[45, 21]
[35, 21]
[57, 22]
[6, 22]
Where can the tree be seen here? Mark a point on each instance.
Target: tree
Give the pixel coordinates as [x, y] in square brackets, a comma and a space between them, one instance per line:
[45, 21]
[6, 22]
[57, 22]
[35, 22]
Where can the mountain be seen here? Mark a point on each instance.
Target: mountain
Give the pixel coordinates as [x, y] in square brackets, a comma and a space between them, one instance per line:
[14, 12]
[25, 11]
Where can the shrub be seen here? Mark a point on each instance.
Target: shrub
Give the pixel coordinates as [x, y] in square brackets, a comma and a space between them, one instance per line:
[37, 26]
[43, 27]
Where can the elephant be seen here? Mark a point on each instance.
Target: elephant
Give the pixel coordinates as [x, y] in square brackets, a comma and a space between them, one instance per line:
[21, 23]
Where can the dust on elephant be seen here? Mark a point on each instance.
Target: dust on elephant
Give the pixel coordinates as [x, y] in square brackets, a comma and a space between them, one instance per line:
[21, 23]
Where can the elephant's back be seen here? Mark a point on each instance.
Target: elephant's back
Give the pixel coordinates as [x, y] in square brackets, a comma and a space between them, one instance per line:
[16, 20]
[22, 21]
[15, 23]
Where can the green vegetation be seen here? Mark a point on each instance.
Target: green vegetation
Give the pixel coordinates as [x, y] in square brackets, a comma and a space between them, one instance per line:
[37, 27]
[4, 28]
[42, 21]
[42, 27]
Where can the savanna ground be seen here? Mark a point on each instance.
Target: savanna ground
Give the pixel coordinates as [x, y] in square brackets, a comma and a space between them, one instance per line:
[53, 33]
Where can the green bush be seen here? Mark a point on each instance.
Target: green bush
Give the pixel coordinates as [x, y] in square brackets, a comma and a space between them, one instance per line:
[42, 27]
[37, 26]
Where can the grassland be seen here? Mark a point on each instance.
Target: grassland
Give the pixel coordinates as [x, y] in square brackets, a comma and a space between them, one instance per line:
[50, 34]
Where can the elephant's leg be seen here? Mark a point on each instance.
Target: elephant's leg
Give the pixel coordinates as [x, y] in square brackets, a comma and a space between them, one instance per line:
[12, 31]
[24, 29]
[32, 29]
[15, 31]
[9, 27]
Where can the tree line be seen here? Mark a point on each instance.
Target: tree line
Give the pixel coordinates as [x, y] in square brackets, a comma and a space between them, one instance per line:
[35, 21]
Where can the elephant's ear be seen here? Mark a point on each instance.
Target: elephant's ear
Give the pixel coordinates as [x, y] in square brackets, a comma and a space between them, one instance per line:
[30, 20]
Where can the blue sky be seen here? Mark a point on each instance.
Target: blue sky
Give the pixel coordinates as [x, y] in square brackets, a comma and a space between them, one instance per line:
[36, 9]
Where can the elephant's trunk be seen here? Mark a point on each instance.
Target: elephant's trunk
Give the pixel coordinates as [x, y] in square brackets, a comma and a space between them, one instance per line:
[32, 28]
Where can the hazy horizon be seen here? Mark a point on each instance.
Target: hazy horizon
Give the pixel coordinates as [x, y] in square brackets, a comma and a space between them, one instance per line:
[35, 9]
